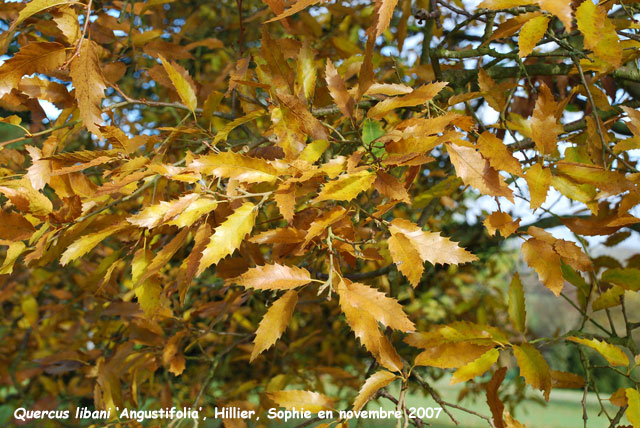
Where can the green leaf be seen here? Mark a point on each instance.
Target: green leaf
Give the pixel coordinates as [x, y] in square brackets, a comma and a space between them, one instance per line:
[371, 131]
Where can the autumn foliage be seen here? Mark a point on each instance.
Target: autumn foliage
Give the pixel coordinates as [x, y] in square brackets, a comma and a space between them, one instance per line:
[268, 204]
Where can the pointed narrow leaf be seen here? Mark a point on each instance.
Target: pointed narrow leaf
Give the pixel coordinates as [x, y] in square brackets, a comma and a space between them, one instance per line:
[186, 92]
[375, 382]
[531, 33]
[476, 367]
[228, 236]
[273, 277]
[517, 310]
[614, 355]
[406, 257]
[274, 323]
[347, 186]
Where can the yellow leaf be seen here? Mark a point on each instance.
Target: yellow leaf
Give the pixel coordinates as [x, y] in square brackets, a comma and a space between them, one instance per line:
[476, 367]
[338, 90]
[544, 124]
[192, 212]
[530, 34]
[432, 247]
[633, 411]
[546, 262]
[614, 355]
[86, 75]
[517, 309]
[314, 150]
[297, 7]
[475, 171]
[29, 306]
[406, 257]
[22, 194]
[184, 88]
[385, 13]
[599, 33]
[224, 132]
[307, 71]
[233, 165]
[538, 179]
[311, 401]
[499, 157]
[149, 292]
[533, 368]
[562, 9]
[161, 259]
[347, 186]
[451, 355]
[388, 89]
[37, 6]
[273, 277]
[510, 26]
[365, 327]
[386, 310]
[228, 236]
[83, 245]
[501, 221]
[42, 58]
[320, 225]
[378, 380]
[274, 323]
[13, 252]
[419, 96]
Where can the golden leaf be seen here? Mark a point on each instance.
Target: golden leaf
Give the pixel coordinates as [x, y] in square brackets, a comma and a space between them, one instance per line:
[228, 236]
[599, 33]
[538, 179]
[386, 310]
[385, 13]
[533, 368]
[501, 221]
[83, 245]
[307, 71]
[419, 96]
[347, 186]
[13, 252]
[531, 33]
[274, 323]
[365, 327]
[451, 355]
[237, 166]
[41, 57]
[613, 354]
[475, 171]
[378, 380]
[432, 247]
[546, 262]
[184, 88]
[476, 367]
[407, 258]
[22, 194]
[544, 124]
[86, 75]
[297, 7]
[14, 227]
[633, 409]
[273, 277]
[499, 157]
[338, 90]
[37, 6]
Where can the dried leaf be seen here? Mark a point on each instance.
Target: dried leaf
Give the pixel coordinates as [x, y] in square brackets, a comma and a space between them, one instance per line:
[311, 401]
[531, 33]
[376, 381]
[419, 96]
[184, 88]
[43, 57]
[544, 124]
[86, 75]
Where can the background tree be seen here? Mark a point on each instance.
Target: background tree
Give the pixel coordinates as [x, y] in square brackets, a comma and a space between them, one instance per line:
[275, 205]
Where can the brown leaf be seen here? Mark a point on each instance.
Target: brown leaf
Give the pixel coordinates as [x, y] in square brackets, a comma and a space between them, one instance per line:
[338, 90]
[41, 57]
[273, 277]
[544, 124]
[494, 402]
